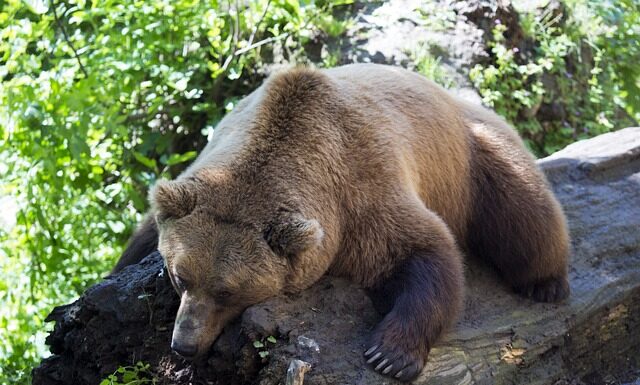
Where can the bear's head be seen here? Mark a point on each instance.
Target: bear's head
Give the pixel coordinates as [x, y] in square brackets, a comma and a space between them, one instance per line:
[221, 261]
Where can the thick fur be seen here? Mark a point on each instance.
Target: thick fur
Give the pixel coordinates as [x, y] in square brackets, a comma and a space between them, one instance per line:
[143, 242]
[364, 171]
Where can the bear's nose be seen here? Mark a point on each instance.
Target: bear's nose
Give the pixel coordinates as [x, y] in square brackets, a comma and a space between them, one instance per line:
[186, 351]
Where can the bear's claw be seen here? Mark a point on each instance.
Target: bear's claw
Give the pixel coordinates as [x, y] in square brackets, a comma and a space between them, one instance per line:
[549, 290]
[371, 350]
[393, 362]
[381, 364]
[374, 357]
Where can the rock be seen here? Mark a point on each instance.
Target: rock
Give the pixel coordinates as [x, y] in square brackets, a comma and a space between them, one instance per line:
[398, 32]
[501, 338]
[599, 158]
[452, 35]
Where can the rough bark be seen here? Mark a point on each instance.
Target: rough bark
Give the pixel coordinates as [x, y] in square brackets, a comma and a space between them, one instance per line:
[501, 338]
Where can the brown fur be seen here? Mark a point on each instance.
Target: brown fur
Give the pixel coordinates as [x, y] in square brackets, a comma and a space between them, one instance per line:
[365, 171]
[143, 242]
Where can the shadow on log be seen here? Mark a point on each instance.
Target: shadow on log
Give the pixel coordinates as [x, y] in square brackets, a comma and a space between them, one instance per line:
[501, 338]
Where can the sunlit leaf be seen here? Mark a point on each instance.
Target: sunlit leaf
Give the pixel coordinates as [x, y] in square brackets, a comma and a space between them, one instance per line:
[180, 158]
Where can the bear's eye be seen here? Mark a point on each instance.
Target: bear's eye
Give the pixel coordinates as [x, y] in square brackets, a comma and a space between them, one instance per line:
[181, 284]
[222, 296]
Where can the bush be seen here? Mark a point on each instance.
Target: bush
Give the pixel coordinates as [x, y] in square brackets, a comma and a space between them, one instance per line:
[578, 81]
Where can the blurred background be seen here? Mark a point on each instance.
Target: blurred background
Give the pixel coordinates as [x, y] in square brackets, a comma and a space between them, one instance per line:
[99, 99]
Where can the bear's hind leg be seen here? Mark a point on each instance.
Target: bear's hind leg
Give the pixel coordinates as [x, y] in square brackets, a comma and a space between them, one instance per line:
[420, 298]
[518, 226]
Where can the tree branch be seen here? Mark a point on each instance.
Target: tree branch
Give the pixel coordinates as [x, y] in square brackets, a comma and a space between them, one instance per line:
[66, 38]
[236, 36]
[262, 42]
[257, 26]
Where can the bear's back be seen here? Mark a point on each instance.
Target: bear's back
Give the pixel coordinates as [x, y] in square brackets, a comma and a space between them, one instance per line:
[368, 134]
[419, 130]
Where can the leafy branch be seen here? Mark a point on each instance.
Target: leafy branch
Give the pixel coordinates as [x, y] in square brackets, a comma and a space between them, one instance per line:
[66, 38]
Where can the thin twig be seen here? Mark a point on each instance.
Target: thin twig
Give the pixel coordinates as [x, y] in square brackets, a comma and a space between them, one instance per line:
[66, 38]
[262, 42]
[274, 38]
[236, 34]
[257, 26]
[237, 52]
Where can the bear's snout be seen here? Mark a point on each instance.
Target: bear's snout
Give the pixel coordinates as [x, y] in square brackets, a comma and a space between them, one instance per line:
[185, 341]
[185, 350]
[198, 323]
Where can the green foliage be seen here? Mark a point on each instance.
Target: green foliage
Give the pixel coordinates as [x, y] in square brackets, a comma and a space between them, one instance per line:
[430, 66]
[140, 374]
[99, 100]
[574, 72]
[614, 27]
[262, 346]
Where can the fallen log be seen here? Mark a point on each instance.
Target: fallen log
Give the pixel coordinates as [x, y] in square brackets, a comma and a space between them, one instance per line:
[501, 338]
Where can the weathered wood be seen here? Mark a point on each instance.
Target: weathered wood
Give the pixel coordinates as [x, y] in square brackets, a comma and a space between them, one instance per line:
[500, 339]
[296, 371]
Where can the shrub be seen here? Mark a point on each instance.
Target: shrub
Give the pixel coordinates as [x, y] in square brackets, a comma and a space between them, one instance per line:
[576, 82]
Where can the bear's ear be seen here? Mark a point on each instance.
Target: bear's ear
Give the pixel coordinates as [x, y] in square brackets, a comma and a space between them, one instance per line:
[172, 199]
[292, 235]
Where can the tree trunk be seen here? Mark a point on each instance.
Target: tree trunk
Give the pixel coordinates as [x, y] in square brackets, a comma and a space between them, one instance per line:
[501, 338]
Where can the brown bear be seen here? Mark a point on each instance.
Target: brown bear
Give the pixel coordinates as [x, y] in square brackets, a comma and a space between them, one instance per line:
[364, 171]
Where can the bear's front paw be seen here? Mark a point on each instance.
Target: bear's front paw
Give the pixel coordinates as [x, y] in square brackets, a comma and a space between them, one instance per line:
[391, 353]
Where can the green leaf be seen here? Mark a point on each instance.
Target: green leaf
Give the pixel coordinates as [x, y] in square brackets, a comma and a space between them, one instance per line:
[148, 162]
[180, 158]
[78, 147]
[130, 376]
